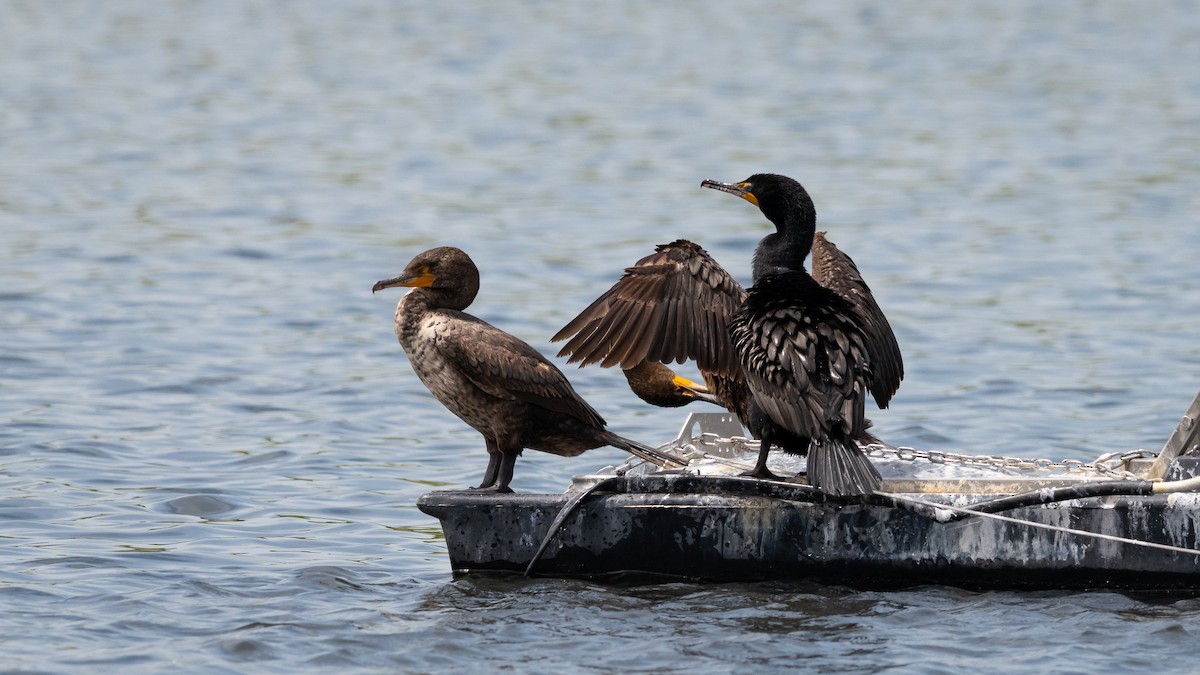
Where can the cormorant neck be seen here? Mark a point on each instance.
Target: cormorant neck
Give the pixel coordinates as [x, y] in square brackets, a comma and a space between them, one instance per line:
[782, 251]
[795, 220]
[457, 298]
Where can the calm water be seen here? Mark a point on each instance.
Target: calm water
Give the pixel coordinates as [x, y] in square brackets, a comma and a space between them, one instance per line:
[210, 443]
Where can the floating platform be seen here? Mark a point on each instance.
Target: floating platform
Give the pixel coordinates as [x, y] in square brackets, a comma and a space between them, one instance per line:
[1128, 521]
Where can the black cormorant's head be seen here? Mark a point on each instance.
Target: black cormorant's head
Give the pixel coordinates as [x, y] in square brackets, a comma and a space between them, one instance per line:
[786, 204]
[782, 200]
[658, 385]
[448, 274]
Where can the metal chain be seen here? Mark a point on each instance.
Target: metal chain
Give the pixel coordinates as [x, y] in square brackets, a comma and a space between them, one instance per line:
[1108, 465]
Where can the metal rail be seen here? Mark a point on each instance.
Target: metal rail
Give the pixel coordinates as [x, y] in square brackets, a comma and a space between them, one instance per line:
[1185, 441]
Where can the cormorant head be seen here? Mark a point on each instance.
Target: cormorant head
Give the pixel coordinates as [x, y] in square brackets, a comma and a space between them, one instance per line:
[786, 204]
[448, 273]
[658, 385]
[782, 200]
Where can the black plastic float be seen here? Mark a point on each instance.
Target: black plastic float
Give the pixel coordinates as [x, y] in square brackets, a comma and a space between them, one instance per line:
[982, 522]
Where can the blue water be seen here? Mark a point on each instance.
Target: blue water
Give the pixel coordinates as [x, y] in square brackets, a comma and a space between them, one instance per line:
[211, 444]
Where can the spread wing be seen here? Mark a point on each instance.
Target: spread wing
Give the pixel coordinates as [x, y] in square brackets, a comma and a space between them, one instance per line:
[836, 271]
[507, 367]
[673, 305]
[805, 362]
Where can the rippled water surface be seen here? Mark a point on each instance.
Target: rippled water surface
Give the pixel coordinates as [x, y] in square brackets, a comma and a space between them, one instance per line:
[211, 445]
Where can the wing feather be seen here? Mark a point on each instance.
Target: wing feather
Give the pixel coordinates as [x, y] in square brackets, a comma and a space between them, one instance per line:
[672, 305]
[805, 361]
[507, 367]
[836, 271]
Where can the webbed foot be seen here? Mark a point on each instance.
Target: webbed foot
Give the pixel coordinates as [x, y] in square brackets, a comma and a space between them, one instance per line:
[484, 489]
[763, 473]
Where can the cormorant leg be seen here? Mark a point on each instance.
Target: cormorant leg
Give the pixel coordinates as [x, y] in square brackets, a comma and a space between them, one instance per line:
[507, 463]
[493, 467]
[500, 470]
[760, 468]
[489, 476]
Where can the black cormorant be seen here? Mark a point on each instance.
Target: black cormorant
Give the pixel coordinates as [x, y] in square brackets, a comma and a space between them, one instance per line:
[496, 383]
[678, 304]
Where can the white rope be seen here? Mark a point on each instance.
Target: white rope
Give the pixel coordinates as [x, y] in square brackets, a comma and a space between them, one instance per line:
[1186, 485]
[1044, 526]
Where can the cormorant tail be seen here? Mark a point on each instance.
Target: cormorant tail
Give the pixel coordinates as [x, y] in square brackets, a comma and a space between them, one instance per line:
[839, 468]
[641, 451]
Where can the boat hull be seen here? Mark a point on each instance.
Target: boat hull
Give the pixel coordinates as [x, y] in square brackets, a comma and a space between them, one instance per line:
[735, 530]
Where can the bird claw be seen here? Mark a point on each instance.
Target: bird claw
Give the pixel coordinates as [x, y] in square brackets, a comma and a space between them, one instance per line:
[764, 474]
[485, 489]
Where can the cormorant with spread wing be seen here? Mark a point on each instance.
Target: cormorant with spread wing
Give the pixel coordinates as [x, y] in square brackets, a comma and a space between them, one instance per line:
[820, 342]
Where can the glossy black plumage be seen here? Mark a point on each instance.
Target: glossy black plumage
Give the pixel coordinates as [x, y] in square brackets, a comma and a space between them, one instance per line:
[681, 288]
[806, 366]
[802, 346]
[493, 381]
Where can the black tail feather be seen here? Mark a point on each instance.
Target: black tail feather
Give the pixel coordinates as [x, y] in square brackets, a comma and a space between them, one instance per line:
[839, 468]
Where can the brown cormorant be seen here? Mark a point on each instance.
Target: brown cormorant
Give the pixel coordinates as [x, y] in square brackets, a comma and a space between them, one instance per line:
[678, 304]
[493, 381]
[658, 385]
